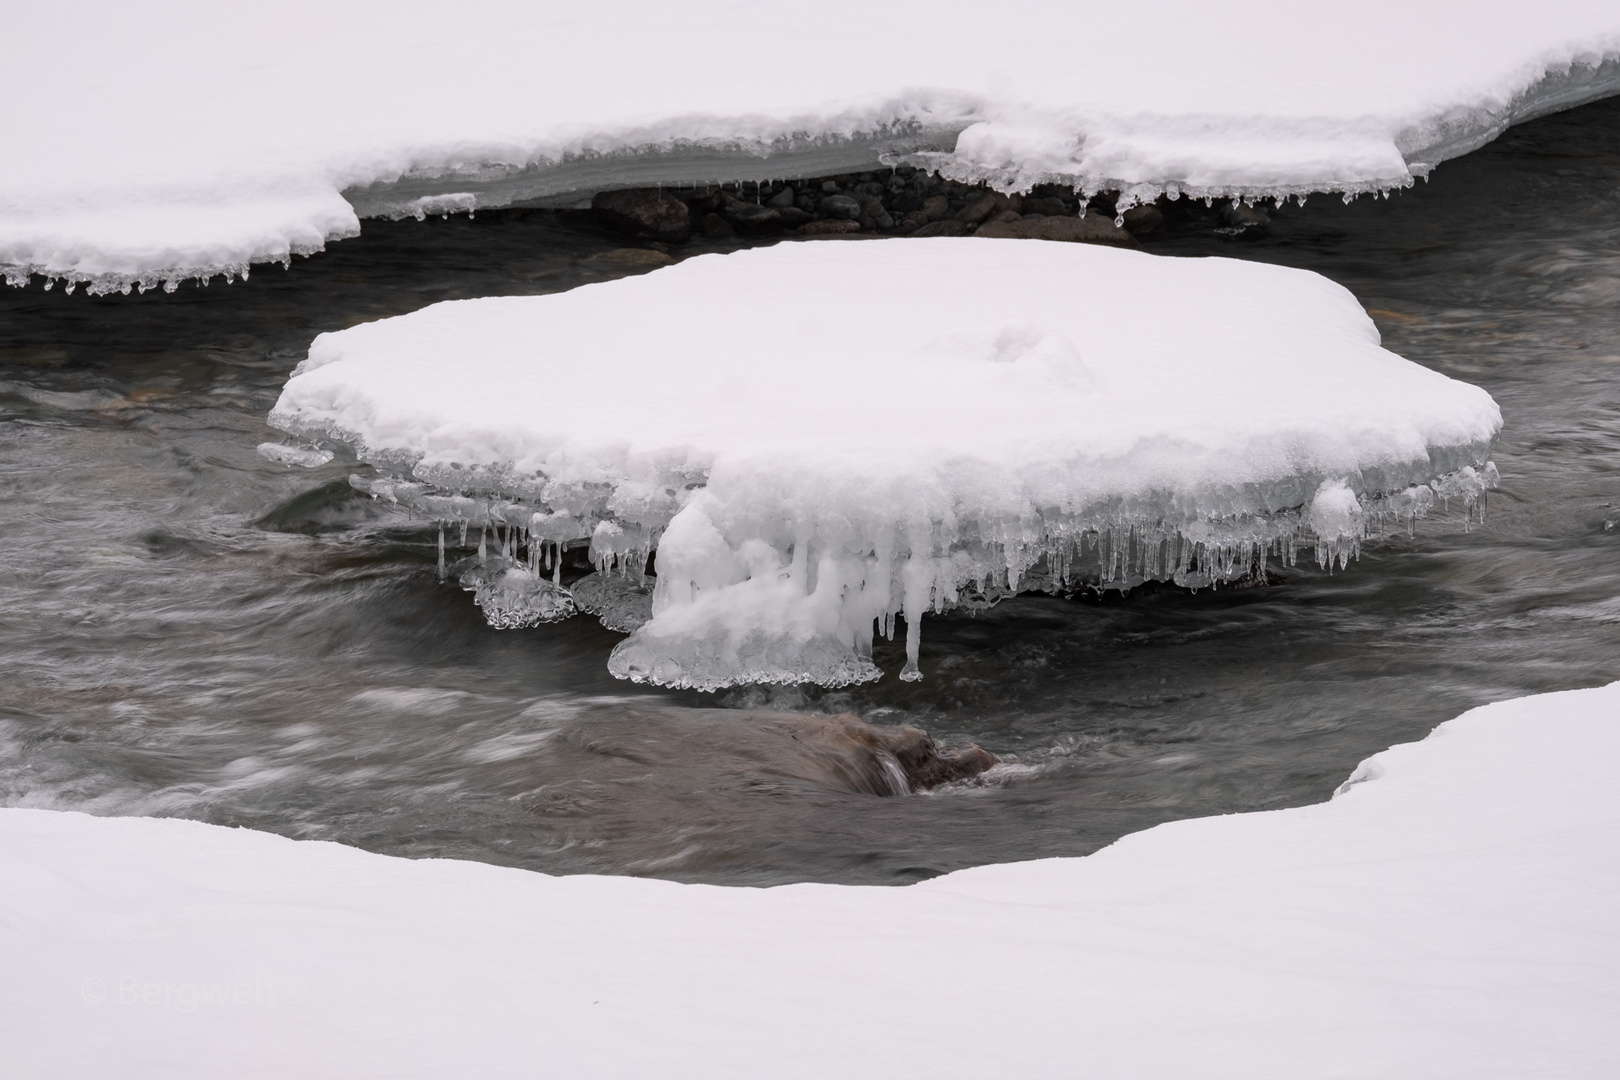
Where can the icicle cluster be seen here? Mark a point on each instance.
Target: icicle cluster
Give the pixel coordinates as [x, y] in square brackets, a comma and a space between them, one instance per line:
[764, 600]
[510, 584]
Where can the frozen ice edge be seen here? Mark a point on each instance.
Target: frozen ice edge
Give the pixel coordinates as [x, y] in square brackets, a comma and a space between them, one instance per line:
[1116, 544]
[1422, 147]
[923, 137]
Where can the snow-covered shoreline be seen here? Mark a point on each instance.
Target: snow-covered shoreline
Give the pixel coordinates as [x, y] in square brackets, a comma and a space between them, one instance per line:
[184, 140]
[1449, 913]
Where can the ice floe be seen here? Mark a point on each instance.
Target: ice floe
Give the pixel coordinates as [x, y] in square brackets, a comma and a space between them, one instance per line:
[174, 139]
[1450, 913]
[818, 438]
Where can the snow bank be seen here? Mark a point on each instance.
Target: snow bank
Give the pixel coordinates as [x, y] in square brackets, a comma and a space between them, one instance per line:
[153, 142]
[1449, 914]
[819, 437]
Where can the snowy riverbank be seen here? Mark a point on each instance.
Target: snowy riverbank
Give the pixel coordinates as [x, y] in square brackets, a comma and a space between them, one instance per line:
[181, 139]
[1448, 914]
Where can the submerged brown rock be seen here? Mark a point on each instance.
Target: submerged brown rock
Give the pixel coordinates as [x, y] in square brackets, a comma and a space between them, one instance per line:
[644, 212]
[878, 760]
[1094, 228]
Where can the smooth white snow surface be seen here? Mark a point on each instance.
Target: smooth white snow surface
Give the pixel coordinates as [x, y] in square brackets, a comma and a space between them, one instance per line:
[1449, 914]
[818, 437]
[179, 138]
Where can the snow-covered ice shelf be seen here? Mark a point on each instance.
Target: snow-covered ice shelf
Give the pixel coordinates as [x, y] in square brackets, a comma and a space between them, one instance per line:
[154, 142]
[1450, 913]
[820, 437]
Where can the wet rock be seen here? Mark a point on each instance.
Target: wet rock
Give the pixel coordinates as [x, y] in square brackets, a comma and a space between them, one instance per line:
[947, 227]
[936, 207]
[792, 216]
[982, 208]
[1003, 218]
[715, 227]
[905, 202]
[873, 214]
[331, 507]
[644, 212]
[702, 202]
[829, 227]
[874, 760]
[1092, 229]
[926, 766]
[1143, 219]
[1047, 206]
[781, 199]
[751, 216]
[841, 206]
[1240, 218]
[632, 258]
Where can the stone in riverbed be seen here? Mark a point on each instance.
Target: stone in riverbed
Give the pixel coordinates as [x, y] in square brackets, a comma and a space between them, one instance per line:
[632, 258]
[841, 206]
[644, 212]
[947, 227]
[781, 199]
[905, 202]
[752, 216]
[936, 207]
[1143, 219]
[1092, 229]
[862, 757]
[702, 202]
[927, 766]
[715, 227]
[985, 206]
[1240, 218]
[1047, 206]
[829, 227]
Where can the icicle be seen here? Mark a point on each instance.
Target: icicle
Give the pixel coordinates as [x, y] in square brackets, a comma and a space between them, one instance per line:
[441, 551]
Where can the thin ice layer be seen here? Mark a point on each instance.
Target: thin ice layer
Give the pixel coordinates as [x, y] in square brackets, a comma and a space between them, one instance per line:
[173, 139]
[818, 438]
[1449, 914]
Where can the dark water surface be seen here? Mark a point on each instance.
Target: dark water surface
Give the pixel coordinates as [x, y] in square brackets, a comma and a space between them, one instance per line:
[190, 630]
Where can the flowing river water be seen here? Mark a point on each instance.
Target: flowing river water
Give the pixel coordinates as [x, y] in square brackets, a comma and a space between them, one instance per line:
[190, 630]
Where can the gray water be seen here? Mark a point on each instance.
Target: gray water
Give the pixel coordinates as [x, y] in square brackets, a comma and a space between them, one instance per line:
[189, 630]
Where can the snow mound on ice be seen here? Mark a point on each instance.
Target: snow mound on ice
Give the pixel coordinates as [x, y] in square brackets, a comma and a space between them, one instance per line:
[820, 437]
[177, 138]
[1450, 914]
